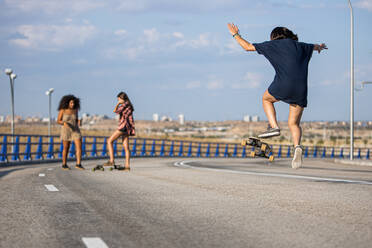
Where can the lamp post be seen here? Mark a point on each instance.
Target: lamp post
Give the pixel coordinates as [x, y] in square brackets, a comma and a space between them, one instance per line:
[351, 81]
[12, 77]
[362, 85]
[49, 93]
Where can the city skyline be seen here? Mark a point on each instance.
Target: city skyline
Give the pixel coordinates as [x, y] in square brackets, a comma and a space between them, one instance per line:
[177, 57]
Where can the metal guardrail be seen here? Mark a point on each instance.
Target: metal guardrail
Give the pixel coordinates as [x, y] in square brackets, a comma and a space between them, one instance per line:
[42, 147]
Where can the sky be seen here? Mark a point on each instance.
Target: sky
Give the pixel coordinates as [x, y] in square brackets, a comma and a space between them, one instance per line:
[174, 57]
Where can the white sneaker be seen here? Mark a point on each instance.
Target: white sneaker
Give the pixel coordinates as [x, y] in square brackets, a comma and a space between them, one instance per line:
[297, 158]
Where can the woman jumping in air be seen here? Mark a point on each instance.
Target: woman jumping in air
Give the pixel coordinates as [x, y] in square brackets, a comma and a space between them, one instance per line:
[290, 60]
[124, 109]
[68, 117]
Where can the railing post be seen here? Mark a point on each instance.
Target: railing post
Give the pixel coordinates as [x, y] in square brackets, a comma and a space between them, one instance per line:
[180, 152]
[134, 148]
[342, 153]
[324, 154]
[333, 152]
[83, 148]
[27, 155]
[104, 148]
[39, 150]
[235, 153]
[244, 152]
[162, 149]
[143, 152]
[271, 151]
[280, 151]
[315, 154]
[189, 153]
[289, 152]
[367, 155]
[94, 148]
[306, 155]
[226, 153]
[359, 155]
[60, 150]
[208, 150]
[72, 149]
[171, 150]
[198, 153]
[15, 156]
[153, 150]
[217, 153]
[115, 148]
[4, 150]
[50, 148]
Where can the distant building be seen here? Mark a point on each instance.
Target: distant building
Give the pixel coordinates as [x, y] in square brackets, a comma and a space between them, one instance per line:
[181, 119]
[2, 118]
[247, 118]
[255, 118]
[155, 117]
[165, 118]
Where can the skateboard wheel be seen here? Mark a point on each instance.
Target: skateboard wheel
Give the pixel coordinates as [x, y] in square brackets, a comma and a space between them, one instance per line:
[244, 143]
[263, 147]
[111, 169]
[93, 169]
[253, 154]
[271, 158]
[102, 169]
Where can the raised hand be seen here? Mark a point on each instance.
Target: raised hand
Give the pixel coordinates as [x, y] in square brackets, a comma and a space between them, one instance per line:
[320, 47]
[233, 28]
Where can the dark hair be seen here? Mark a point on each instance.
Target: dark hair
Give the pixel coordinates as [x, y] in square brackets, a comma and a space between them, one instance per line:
[65, 101]
[279, 33]
[125, 97]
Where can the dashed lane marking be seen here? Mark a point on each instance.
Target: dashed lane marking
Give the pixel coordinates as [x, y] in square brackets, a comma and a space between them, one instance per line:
[94, 243]
[51, 187]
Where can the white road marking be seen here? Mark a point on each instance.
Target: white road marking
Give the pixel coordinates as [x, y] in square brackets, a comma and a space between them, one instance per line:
[41, 175]
[94, 243]
[51, 187]
[50, 169]
[325, 179]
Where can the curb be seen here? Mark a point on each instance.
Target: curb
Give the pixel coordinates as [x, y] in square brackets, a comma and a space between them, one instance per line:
[353, 162]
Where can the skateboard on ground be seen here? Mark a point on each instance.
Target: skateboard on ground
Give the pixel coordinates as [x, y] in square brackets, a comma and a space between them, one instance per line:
[111, 168]
[260, 149]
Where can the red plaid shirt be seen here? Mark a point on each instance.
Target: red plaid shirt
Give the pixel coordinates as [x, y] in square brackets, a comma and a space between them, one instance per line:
[126, 118]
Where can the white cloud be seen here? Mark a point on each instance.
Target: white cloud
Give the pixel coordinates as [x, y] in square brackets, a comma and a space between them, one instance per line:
[193, 85]
[250, 81]
[202, 41]
[178, 35]
[55, 6]
[121, 32]
[215, 84]
[52, 37]
[152, 35]
[364, 4]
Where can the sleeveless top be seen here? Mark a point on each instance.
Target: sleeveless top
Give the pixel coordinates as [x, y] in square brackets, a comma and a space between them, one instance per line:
[71, 131]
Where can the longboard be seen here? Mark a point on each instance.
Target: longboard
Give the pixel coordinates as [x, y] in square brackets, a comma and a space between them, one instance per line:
[111, 168]
[261, 149]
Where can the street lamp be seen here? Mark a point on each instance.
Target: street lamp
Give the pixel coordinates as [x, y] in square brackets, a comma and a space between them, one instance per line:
[12, 76]
[362, 85]
[49, 93]
[351, 81]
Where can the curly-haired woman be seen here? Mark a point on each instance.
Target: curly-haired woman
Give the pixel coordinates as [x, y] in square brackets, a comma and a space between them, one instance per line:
[68, 117]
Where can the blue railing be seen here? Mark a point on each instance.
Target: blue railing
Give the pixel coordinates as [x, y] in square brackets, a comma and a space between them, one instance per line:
[42, 147]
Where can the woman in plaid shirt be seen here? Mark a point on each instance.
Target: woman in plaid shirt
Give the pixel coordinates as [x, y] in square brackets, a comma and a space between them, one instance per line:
[125, 109]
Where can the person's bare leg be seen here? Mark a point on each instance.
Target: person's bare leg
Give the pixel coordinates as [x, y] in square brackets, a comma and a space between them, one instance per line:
[110, 144]
[66, 147]
[127, 151]
[268, 105]
[78, 150]
[294, 120]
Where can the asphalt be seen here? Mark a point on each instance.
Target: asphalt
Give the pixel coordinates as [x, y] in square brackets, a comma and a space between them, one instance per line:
[188, 203]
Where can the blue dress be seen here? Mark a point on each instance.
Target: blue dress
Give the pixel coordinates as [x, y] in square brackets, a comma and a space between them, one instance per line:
[290, 60]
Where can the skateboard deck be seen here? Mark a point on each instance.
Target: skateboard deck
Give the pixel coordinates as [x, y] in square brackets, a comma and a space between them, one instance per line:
[111, 168]
[260, 149]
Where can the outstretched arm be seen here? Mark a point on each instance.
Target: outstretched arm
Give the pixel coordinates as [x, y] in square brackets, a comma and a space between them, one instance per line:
[320, 47]
[234, 30]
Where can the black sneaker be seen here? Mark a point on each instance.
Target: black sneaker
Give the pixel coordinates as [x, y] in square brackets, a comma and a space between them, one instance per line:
[270, 132]
[79, 166]
[65, 167]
